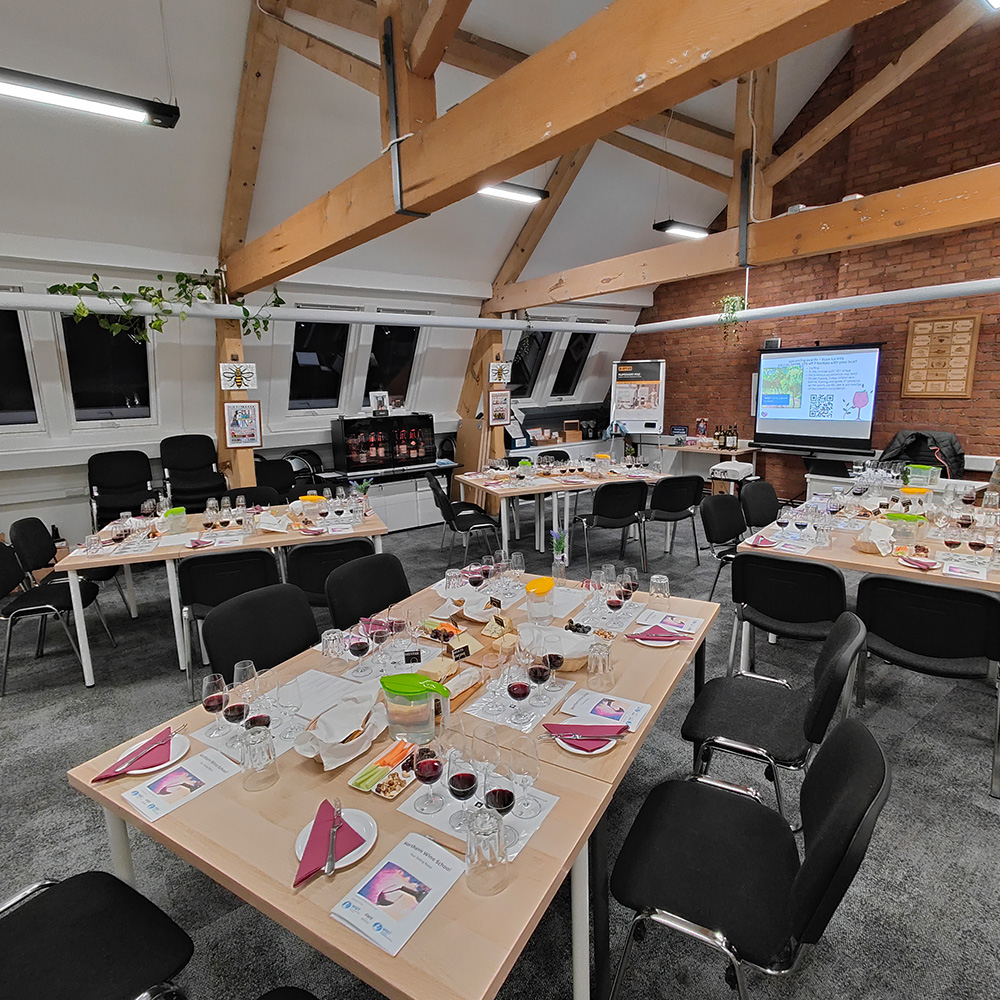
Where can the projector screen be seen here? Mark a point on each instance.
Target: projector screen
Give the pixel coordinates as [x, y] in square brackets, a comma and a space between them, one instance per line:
[817, 398]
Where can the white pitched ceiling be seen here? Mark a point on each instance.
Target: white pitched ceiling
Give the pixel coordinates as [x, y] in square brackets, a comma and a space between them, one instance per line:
[77, 177]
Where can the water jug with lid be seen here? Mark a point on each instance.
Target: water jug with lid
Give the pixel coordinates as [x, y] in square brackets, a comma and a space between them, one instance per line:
[410, 701]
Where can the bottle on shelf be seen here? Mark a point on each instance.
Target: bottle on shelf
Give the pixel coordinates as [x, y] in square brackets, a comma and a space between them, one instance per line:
[380, 447]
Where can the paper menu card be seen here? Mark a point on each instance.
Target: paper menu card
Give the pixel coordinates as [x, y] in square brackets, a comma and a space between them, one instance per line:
[393, 899]
[164, 792]
[964, 572]
[688, 624]
[605, 708]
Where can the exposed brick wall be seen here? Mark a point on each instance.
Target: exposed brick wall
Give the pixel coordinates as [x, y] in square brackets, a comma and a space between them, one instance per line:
[943, 119]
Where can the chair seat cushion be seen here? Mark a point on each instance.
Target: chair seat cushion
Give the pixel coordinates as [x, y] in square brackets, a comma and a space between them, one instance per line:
[719, 859]
[101, 574]
[598, 521]
[937, 666]
[751, 711]
[193, 482]
[55, 595]
[474, 520]
[669, 515]
[115, 503]
[111, 943]
[816, 631]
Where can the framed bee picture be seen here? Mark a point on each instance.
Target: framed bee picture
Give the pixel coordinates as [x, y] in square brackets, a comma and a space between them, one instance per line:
[941, 356]
[243, 424]
[236, 375]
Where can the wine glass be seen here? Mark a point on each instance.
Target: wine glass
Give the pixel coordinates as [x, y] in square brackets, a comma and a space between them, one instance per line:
[462, 784]
[235, 713]
[493, 703]
[613, 598]
[539, 673]
[552, 658]
[396, 621]
[225, 513]
[631, 574]
[784, 517]
[290, 699]
[214, 698]
[378, 632]
[487, 568]
[516, 564]
[499, 796]
[428, 767]
[485, 751]
[476, 577]
[208, 518]
[524, 773]
[596, 587]
[518, 688]
[610, 571]
[358, 646]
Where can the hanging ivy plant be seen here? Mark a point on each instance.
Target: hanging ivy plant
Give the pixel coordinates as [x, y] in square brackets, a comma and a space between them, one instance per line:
[729, 306]
[186, 289]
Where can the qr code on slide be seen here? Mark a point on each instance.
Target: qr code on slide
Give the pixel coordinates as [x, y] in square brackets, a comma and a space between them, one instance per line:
[821, 405]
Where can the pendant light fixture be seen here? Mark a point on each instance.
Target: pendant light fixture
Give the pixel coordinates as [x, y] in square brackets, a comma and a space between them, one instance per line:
[683, 229]
[509, 191]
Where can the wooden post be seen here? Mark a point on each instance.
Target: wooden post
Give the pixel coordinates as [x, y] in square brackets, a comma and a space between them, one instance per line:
[236, 463]
[416, 97]
[476, 440]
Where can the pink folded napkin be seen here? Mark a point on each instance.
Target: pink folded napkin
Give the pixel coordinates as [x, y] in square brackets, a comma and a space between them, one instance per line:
[152, 756]
[916, 563]
[657, 633]
[312, 531]
[318, 845]
[587, 745]
[200, 543]
[493, 482]
[762, 541]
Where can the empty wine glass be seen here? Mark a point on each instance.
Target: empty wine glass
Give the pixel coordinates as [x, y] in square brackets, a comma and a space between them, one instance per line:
[493, 704]
[524, 772]
[289, 696]
[485, 751]
[516, 564]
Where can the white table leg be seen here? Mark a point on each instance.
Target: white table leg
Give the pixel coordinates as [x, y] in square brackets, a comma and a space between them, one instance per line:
[130, 592]
[580, 910]
[566, 497]
[175, 612]
[378, 543]
[539, 523]
[121, 853]
[81, 627]
[505, 523]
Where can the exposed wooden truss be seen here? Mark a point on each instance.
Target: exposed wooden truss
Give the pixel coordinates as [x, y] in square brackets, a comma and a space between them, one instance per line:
[622, 65]
[687, 168]
[955, 23]
[964, 200]
[435, 34]
[689, 131]
[415, 97]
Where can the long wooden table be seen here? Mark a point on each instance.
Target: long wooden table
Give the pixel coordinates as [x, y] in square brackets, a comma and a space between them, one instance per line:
[541, 487]
[170, 553]
[468, 945]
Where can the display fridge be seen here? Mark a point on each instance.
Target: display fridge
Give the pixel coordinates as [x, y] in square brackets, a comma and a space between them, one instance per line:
[380, 445]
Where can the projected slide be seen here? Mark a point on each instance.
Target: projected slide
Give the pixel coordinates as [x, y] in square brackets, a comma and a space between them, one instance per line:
[825, 396]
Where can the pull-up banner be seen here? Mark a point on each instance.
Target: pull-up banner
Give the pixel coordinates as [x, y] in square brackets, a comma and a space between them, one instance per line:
[637, 391]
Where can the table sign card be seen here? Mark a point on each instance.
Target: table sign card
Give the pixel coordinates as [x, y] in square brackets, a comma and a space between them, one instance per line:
[393, 900]
[182, 783]
[795, 548]
[964, 572]
[687, 624]
[219, 743]
[605, 708]
[599, 617]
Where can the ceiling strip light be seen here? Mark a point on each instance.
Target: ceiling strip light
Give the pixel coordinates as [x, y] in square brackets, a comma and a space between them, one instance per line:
[515, 192]
[77, 97]
[683, 229]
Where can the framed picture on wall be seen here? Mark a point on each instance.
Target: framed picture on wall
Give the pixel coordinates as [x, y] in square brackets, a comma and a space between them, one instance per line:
[941, 356]
[500, 408]
[380, 403]
[243, 424]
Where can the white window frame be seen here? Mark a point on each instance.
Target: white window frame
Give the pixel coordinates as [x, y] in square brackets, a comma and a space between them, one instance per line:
[353, 347]
[419, 350]
[29, 356]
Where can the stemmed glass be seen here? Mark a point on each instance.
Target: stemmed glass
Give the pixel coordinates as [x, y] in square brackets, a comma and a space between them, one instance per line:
[397, 626]
[784, 517]
[596, 587]
[524, 773]
[631, 574]
[428, 767]
[236, 713]
[225, 513]
[516, 564]
[214, 699]
[488, 567]
[552, 658]
[209, 516]
[358, 646]
[476, 577]
[290, 699]
[539, 673]
[518, 688]
[462, 783]
[613, 599]
[485, 752]
[500, 798]
[493, 703]
[378, 632]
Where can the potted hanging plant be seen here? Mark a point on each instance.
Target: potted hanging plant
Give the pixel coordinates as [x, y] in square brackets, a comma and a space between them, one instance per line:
[729, 306]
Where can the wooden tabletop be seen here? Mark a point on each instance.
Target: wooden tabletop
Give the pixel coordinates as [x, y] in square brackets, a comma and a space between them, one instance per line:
[843, 554]
[244, 840]
[370, 527]
[555, 484]
[695, 450]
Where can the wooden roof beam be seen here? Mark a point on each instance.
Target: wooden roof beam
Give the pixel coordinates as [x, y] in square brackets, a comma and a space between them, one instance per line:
[620, 66]
[693, 171]
[955, 23]
[690, 131]
[434, 35]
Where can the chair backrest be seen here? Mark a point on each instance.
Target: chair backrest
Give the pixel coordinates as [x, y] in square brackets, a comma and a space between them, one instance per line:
[833, 666]
[362, 587]
[188, 452]
[619, 501]
[11, 574]
[119, 471]
[557, 455]
[32, 543]
[268, 626]
[789, 590]
[722, 518]
[842, 795]
[930, 619]
[677, 494]
[310, 565]
[759, 502]
[213, 579]
[276, 473]
[441, 499]
[255, 496]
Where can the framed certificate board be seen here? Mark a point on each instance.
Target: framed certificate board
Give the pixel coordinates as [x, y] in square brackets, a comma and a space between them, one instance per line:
[941, 357]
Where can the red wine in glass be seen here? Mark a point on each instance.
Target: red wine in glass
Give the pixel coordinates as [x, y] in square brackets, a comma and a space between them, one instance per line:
[207, 523]
[428, 770]
[215, 703]
[396, 625]
[324, 511]
[518, 690]
[977, 545]
[358, 648]
[236, 711]
[952, 543]
[463, 785]
[476, 580]
[614, 602]
[224, 521]
[539, 674]
[486, 573]
[500, 799]
[801, 525]
[260, 719]
[965, 521]
[969, 498]
[553, 661]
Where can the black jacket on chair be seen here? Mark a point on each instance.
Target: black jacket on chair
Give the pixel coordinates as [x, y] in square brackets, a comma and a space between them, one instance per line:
[928, 448]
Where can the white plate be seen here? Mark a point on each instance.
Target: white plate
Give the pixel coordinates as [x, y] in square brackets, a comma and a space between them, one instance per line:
[657, 643]
[586, 720]
[179, 745]
[211, 542]
[933, 565]
[364, 824]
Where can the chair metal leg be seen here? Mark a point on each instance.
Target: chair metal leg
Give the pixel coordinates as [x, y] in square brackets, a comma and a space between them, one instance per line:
[694, 531]
[100, 614]
[69, 635]
[621, 550]
[862, 678]
[642, 547]
[777, 790]
[718, 570]
[188, 660]
[465, 556]
[638, 919]
[995, 782]
[732, 644]
[741, 982]
[444, 528]
[40, 643]
[6, 657]
[451, 546]
[121, 593]
[201, 643]
[586, 545]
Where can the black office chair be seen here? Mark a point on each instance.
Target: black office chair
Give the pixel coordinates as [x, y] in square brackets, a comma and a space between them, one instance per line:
[206, 581]
[617, 506]
[762, 719]
[279, 475]
[118, 480]
[722, 521]
[36, 550]
[306, 464]
[308, 566]
[934, 629]
[707, 859]
[556, 454]
[786, 597]
[461, 518]
[288, 993]
[674, 500]
[759, 502]
[89, 937]
[39, 601]
[191, 469]
[255, 496]
[365, 586]
[268, 626]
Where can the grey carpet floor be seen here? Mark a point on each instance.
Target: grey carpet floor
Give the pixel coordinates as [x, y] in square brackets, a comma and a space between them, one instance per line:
[922, 919]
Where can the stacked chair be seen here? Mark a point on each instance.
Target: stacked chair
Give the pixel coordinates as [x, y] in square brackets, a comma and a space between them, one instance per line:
[191, 469]
[118, 481]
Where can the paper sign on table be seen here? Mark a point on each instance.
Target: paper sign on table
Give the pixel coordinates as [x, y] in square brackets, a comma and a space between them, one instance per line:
[392, 900]
[479, 708]
[165, 792]
[220, 743]
[964, 572]
[617, 622]
[605, 708]
[796, 548]
[687, 624]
